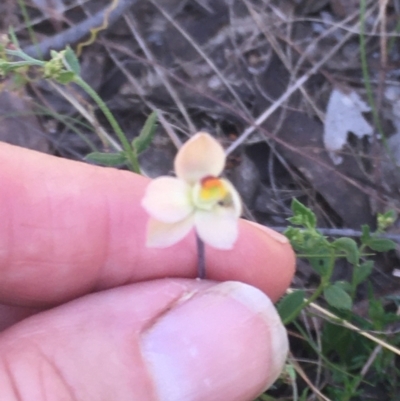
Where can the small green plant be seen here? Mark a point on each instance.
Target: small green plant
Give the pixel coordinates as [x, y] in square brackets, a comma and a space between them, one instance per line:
[322, 254]
[63, 68]
[138, 145]
[345, 347]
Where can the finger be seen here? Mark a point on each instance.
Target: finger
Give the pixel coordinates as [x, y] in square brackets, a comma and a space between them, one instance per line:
[10, 315]
[69, 228]
[169, 340]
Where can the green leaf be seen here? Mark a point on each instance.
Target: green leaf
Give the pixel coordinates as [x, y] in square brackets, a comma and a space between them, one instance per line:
[321, 260]
[380, 244]
[291, 305]
[350, 249]
[366, 233]
[342, 341]
[294, 235]
[362, 271]
[337, 297]
[71, 61]
[107, 159]
[65, 77]
[320, 265]
[143, 141]
[379, 317]
[302, 215]
[344, 285]
[385, 220]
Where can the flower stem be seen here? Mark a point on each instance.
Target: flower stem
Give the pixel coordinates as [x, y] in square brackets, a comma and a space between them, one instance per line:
[201, 266]
[132, 157]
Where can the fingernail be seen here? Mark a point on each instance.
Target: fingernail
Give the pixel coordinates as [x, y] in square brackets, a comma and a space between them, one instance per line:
[271, 233]
[258, 302]
[226, 342]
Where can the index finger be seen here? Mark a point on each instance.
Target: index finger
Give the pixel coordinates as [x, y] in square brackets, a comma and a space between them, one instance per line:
[68, 228]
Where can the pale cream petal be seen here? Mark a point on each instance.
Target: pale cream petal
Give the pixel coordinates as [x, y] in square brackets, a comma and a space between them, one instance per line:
[218, 228]
[199, 157]
[163, 235]
[236, 202]
[168, 199]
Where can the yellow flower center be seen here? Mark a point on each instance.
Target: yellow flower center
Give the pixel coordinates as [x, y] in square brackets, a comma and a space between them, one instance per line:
[212, 189]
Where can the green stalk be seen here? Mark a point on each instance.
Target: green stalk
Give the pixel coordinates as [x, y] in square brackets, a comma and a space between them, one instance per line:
[129, 151]
[132, 157]
[27, 21]
[323, 284]
[365, 72]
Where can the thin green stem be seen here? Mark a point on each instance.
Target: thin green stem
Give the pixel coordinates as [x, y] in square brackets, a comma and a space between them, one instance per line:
[365, 72]
[130, 153]
[24, 56]
[18, 64]
[320, 289]
[353, 275]
[27, 21]
[132, 157]
[394, 37]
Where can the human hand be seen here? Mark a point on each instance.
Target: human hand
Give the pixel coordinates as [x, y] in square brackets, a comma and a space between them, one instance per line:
[87, 313]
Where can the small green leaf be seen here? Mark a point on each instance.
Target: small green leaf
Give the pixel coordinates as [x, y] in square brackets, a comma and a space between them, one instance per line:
[302, 215]
[143, 141]
[366, 233]
[107, 159]
[340, 340]
[290, 371]
[350, 249]
[389, 215]
[321, 260]
[65, 77]
[291, 305]
[320, 265]
[362, 271]
[344, 285]
[294, 235]
[71, 61]
[380, 244]
[385, 220]
[337, 297]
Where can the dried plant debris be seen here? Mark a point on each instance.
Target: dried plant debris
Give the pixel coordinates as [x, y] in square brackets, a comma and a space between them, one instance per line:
[392, 95]
[49, 7]
[344, 114]
[218, 65]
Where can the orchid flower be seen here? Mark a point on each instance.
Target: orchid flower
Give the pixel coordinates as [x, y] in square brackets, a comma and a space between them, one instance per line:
[197, 198]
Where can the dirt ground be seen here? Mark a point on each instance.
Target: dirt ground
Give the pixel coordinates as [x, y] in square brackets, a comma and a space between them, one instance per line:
[304, 108]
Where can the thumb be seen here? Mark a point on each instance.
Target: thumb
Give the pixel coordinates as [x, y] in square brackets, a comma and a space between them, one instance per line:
[168, 340]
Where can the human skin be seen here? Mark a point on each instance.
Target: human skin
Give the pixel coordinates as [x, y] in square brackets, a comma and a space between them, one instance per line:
[89, 313]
